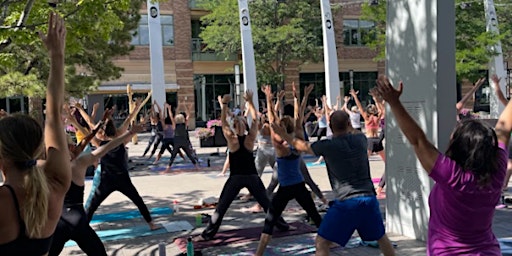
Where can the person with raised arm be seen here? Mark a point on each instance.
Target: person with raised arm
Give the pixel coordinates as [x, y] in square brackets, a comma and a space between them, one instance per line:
[292, 185]
[468, 178]
[355, 206]
[32, 194]
[464, 113]
[114, 174]
[243, 172]
[73, 224]
[181, 140]
[504, 101]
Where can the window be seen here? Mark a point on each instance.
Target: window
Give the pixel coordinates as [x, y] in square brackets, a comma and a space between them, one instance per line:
[142, 32]
[357, 32]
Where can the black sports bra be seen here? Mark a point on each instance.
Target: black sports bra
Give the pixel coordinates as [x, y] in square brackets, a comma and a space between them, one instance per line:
[24, 245]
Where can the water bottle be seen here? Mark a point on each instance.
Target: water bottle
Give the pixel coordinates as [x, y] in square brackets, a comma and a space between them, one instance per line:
[199, 220]
[176, 207]
[161, 249]
[190, 247]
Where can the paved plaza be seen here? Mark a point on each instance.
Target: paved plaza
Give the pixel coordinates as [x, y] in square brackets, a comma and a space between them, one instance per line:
[190, 186]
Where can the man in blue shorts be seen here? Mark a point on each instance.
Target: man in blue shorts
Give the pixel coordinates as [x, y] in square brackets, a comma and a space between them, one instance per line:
[355, 206]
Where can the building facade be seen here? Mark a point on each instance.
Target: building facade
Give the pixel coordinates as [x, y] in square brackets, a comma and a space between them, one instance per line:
[198, 77]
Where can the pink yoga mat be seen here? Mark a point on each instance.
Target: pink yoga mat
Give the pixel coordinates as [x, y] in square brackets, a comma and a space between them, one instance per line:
[242, 236]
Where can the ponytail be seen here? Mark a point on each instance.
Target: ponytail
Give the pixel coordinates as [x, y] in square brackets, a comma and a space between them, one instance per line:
[35, 209]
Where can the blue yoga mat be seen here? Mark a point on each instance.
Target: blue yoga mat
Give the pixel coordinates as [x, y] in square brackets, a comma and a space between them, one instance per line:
[312, 164]
[124, 233]
[116, 216]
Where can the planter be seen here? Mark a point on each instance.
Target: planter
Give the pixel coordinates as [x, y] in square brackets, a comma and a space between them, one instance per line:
[207, 142]
[220, 140]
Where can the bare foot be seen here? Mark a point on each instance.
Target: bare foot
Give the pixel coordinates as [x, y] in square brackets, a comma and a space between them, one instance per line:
[152, 226]
[198, 238]
[168, 170]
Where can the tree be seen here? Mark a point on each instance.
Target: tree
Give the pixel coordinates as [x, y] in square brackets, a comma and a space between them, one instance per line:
[282, 32]
[98, 31]
[472, 41]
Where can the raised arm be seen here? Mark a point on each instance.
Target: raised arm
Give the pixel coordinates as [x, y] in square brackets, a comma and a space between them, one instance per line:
[223, 102]
[57, 167]
[168, 110]
[425, 151]
[270, 105]
[84, 114]
[86, 160]
[298, 144]
[345, 105]
[460, 105]
[499, 93]
[133, 114]
[358, 103]
[299, 114]
[71, 119]
[253, 130]
[278, 109]
[94, 112]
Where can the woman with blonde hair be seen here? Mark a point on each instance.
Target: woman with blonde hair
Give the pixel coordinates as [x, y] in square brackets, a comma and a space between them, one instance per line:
[32, 195]
[181, 140]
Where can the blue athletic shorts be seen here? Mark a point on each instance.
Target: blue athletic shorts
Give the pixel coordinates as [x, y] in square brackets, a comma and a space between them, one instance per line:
[359, 213]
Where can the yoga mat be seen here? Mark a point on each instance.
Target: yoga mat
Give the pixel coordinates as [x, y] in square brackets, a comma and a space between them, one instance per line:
[312, 164]
[243, 235]
[138, 231]
[116, 216]
[506, 246]
[296, 246]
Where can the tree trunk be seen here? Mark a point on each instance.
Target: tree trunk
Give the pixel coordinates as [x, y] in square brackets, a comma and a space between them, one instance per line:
[35, 109]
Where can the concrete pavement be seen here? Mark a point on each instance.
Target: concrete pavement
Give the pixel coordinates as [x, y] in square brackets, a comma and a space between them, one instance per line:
[188, 187]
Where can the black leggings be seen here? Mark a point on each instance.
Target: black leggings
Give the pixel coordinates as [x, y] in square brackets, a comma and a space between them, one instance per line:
[159, 138]
[186, 146]
[229, 192]
[305, 174]
[150, 142]
[280, 200]
[73, 225]
[121, 183]
[166, 144]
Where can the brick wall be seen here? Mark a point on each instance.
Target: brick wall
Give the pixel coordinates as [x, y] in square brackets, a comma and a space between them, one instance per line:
[183, 54]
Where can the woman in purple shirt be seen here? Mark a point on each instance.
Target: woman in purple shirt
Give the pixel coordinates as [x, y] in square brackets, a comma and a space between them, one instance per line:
[469, 178]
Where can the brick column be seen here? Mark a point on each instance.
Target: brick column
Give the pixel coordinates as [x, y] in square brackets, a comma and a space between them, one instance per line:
[183, 54]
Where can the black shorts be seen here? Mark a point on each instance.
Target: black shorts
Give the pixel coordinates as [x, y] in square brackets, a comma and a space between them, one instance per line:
[375, 144]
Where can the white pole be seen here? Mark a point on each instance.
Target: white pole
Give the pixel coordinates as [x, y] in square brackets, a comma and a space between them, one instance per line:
[332, 79]
[156, 53]
[249, 65]
[203, 98]
[496, 64]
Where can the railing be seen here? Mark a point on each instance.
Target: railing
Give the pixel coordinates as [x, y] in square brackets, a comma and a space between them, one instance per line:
[199, 55]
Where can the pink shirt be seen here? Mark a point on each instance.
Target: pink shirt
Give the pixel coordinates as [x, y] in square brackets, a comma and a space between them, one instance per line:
[461, 213]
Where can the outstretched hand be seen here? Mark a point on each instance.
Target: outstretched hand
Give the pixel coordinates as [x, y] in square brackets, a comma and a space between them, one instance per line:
[55, 38]
[308, 90]
[248, 96]
[386, 90]
[226, 98]
[496, 80]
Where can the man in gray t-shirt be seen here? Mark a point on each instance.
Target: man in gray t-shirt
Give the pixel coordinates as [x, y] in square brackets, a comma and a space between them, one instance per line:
[347, 165]
[355, 206]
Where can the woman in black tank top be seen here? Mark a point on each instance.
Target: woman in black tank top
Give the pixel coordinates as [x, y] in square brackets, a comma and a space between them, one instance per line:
[181, 140]
[73, 224]
[243, 172]
[32, 194]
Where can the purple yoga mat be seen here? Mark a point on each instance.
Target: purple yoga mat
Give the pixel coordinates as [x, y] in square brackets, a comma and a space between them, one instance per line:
[243, 235]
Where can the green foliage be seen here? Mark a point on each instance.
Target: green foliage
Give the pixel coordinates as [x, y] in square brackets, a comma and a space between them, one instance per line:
[473, 51]
[282, 33]
[97, 32]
